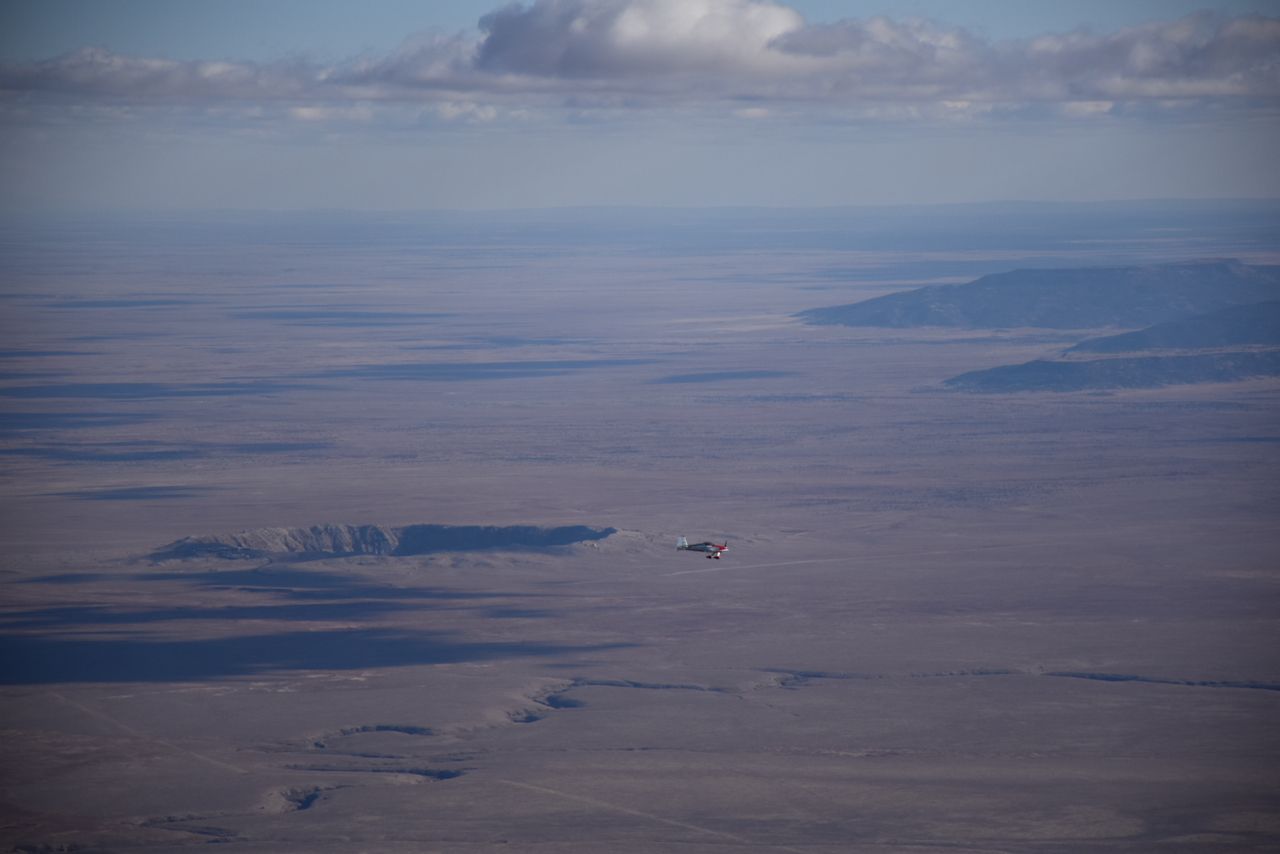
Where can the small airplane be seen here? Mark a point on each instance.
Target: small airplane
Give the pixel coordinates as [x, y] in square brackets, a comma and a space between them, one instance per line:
[713, 550]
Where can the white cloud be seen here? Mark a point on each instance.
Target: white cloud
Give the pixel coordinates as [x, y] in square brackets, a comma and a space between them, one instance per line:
[465, 111]
[1084, 109]
[322, 113]
[622, 38]
[749, 55]
[1198, 56]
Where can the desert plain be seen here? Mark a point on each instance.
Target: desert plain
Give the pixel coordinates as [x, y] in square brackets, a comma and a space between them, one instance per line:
[946, 621]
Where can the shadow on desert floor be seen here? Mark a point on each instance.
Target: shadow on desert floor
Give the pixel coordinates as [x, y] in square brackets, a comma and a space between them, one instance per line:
[287, 581]
[43, 660]
[94, 642]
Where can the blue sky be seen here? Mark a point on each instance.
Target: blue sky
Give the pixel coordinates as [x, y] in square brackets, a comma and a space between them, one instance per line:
[183, 104]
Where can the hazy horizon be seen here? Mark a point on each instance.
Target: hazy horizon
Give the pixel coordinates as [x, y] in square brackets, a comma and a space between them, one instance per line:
[479, 105]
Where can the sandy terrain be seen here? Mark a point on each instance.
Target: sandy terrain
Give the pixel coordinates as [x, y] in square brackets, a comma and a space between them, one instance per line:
[946, 622]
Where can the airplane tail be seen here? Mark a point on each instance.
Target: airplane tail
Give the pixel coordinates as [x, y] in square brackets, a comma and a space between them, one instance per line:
[681, 543]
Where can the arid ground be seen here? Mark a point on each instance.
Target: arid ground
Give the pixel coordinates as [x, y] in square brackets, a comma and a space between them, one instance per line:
[946, 621]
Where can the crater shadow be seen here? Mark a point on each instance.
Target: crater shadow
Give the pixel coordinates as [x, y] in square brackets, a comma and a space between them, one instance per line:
[35, 660]
[81, 616]
[288, 582]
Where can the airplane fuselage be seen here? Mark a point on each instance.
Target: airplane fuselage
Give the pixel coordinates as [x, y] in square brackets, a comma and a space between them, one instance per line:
[711, 550]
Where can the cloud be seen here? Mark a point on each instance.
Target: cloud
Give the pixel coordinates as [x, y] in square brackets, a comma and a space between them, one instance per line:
[96, 73]
[465, 111]
[319, 113]
[749, 56]
[633, 38]
[1202, 55]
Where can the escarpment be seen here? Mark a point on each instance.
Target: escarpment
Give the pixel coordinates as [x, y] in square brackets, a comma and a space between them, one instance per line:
[347, 540]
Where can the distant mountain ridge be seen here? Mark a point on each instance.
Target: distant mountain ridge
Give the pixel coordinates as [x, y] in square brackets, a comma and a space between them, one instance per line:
[1078, 298]
[1205, 321]
[1120, 372]
[1254, 325]
[1236, 343]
